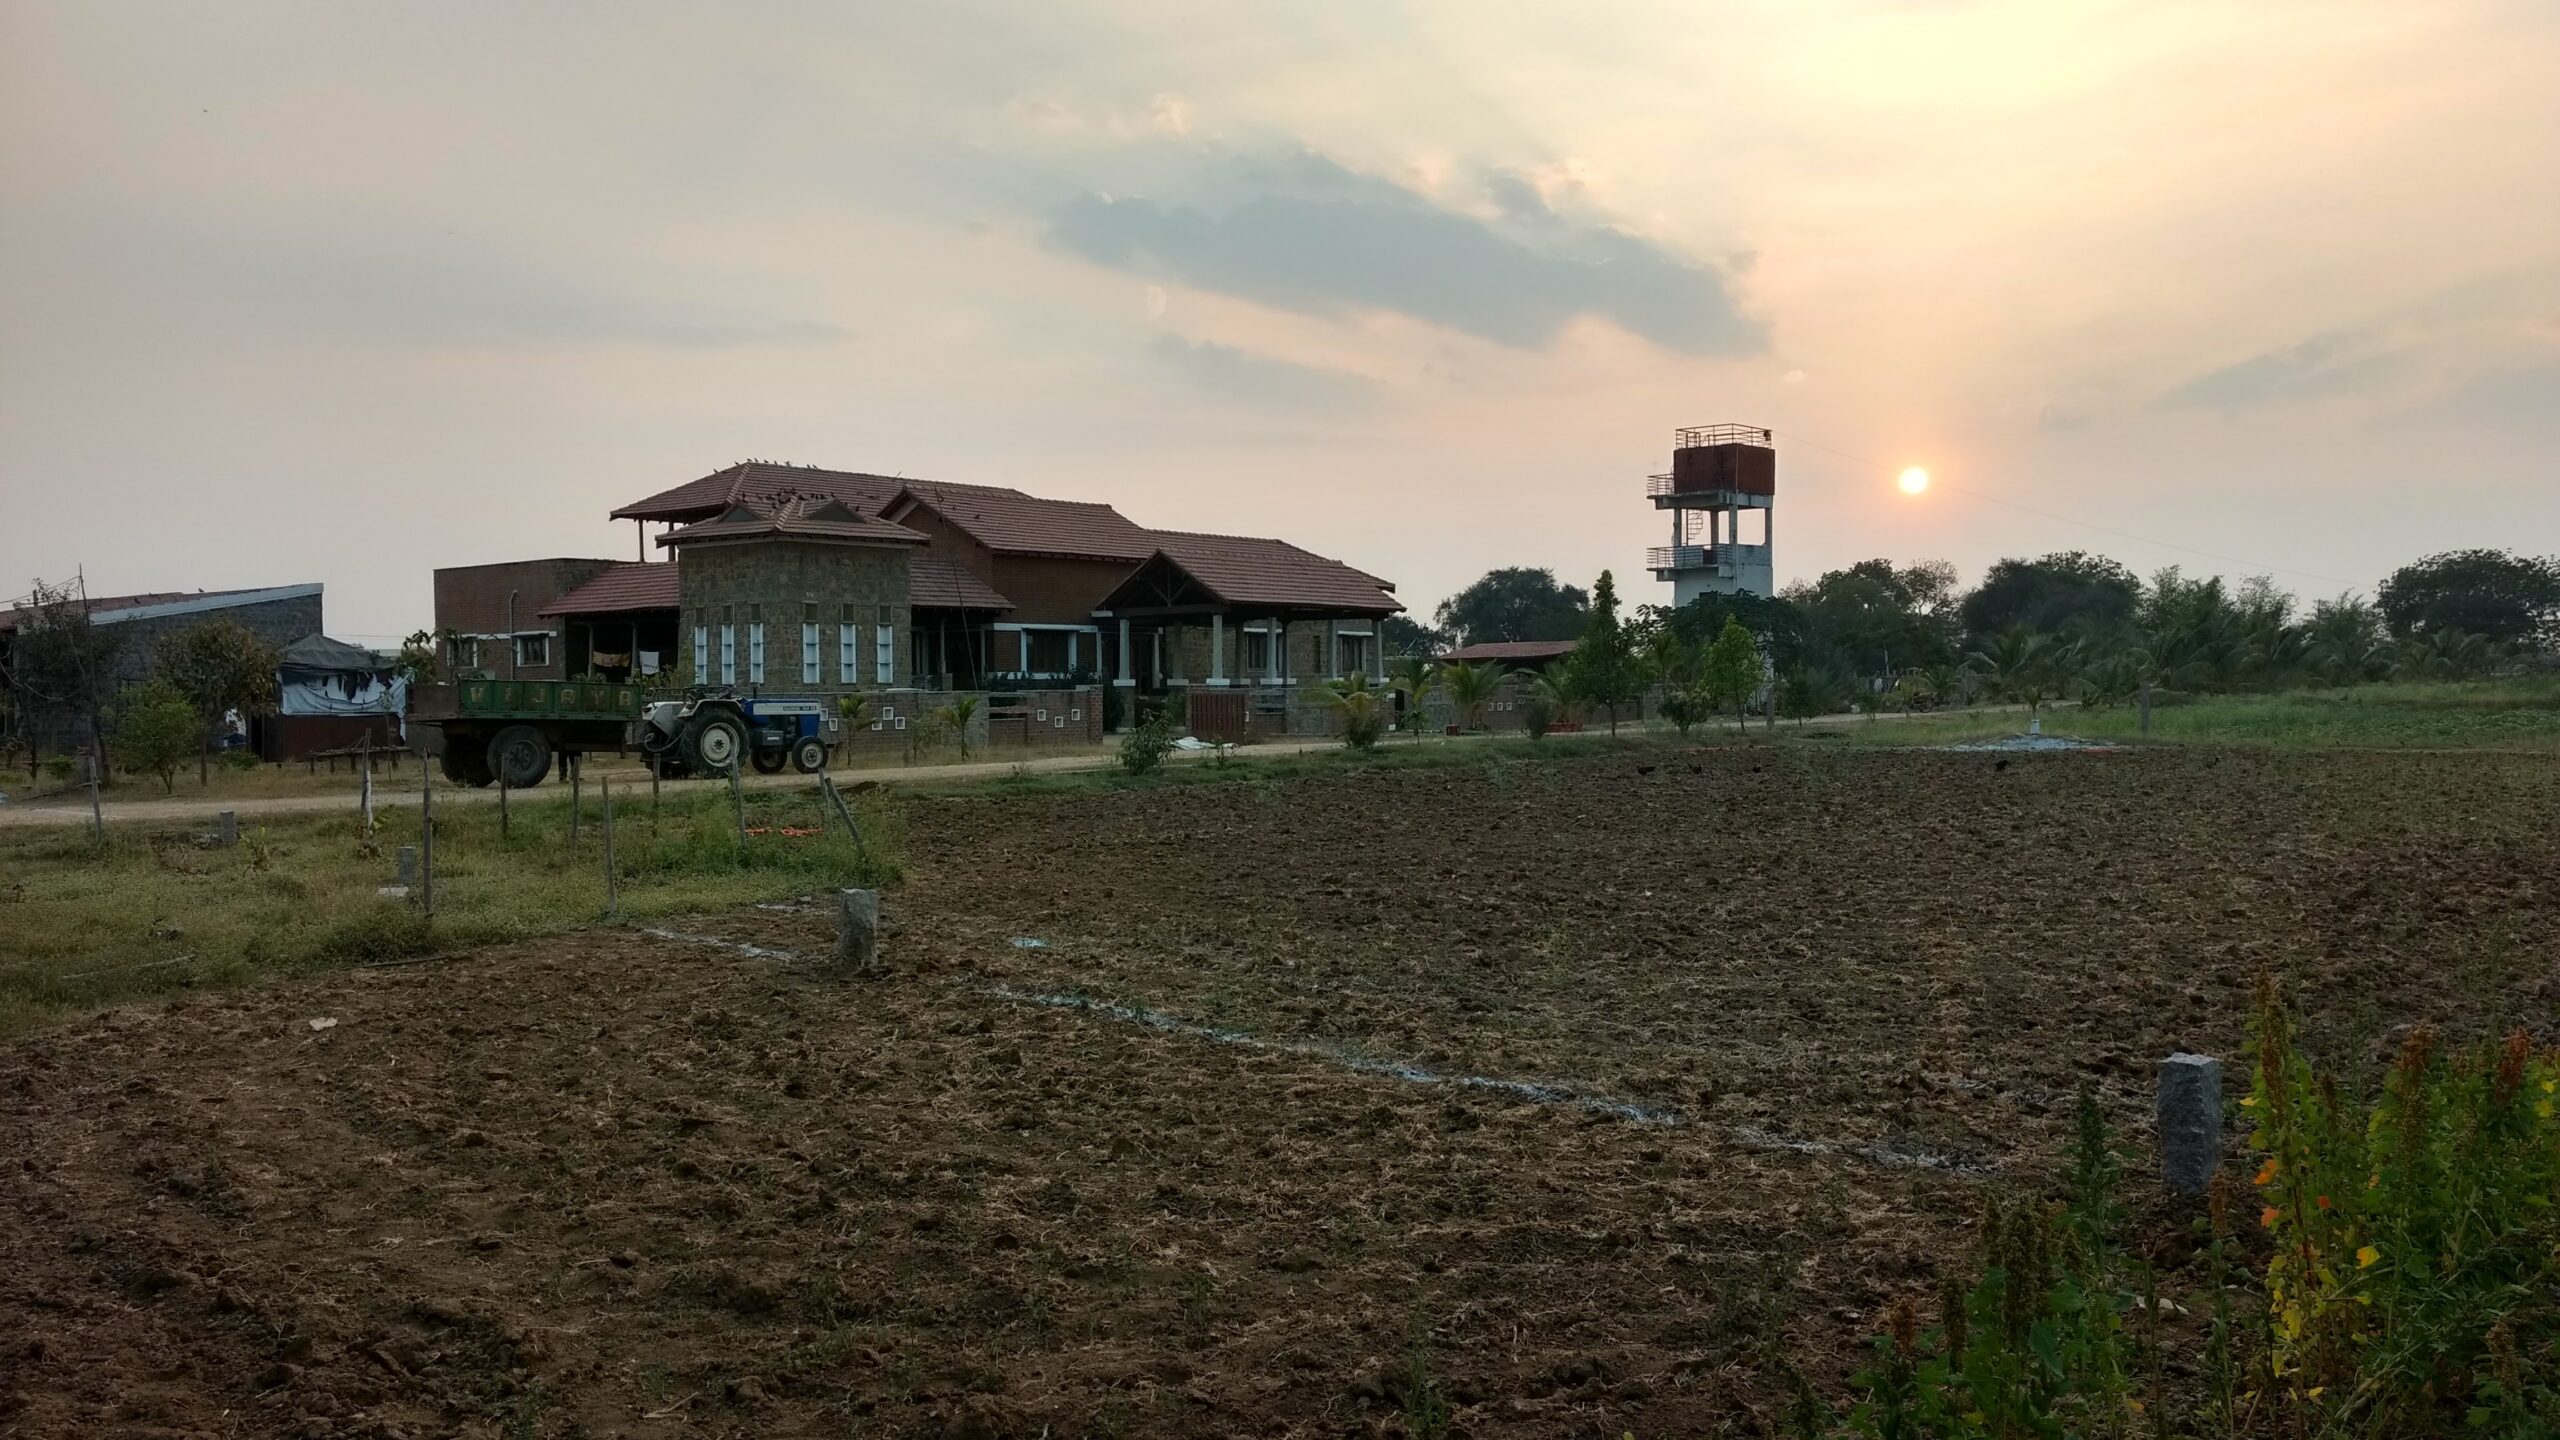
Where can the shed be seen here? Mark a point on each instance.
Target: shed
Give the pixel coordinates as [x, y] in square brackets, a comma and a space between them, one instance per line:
[331, 695]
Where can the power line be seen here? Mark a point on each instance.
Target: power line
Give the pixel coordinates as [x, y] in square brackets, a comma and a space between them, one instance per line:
[1883, 469]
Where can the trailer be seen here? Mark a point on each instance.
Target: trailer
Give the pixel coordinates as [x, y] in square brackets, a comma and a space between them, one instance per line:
[483, 730]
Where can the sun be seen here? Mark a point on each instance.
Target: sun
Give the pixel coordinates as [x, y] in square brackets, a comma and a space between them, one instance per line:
[1914, 480]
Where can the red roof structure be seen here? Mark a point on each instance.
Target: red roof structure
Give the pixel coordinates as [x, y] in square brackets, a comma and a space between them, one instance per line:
[1514, 651]
[795, 517]
[932, 583]
[762, 480]
[105, 607]
[1017, 524]
[1195, 574]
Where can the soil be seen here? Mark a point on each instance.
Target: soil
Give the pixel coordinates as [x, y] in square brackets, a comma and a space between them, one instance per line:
[1155, 1122]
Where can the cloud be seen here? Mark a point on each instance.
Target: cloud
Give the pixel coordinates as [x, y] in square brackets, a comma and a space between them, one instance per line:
[1300, 232]
[2315, 369]
[1263, 378]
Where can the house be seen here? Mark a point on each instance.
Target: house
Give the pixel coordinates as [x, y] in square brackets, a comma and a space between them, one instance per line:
[799, 579]
[494, 616]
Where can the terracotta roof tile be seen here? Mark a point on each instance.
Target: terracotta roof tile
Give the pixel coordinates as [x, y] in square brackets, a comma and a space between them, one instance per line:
[1246, 570]
[627, 586]
[1019, 524]
[752, 480]
[1513, 650]
[807, 517]
[936, 583]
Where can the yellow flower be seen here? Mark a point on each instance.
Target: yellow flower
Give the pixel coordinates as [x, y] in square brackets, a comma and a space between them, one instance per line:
[2250, 1102]
[2366, 1256]
[2542, 1108]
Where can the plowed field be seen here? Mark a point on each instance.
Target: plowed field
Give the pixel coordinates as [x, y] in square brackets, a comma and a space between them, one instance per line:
[1580, 1089]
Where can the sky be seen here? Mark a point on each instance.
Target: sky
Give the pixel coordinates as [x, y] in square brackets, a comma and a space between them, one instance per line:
[348, 291]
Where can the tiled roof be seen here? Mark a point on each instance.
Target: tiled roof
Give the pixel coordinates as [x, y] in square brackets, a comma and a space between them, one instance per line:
[1245, 570]
[803, 517]
[1513, 650]
[627, 586]
[748, 480]
[932, 582]
[939, 584]
[1019, 524]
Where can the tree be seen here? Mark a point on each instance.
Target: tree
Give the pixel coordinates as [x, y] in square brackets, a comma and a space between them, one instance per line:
[1806, 691]
[61, 666]
[1413, 678]
[2048, 593]
[2500, 597]
[1363, 705]
[1406, 636]
[1470, 684]
[1732, 670]
[1877, 620]
[955, 717]
[2016, 665]
[1514, 604]
[422, 655]
[1774, 621]
[218, 666]
[1544, 700]
[156, 728]
[1603, 668]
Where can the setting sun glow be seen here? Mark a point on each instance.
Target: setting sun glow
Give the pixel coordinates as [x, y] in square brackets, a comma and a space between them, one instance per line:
[1914, 480]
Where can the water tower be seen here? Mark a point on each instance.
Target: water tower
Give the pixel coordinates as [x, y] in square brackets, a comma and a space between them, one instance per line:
[1720, 491]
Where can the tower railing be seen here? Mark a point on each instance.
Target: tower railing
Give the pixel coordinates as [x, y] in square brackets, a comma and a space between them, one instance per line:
[1690, 436]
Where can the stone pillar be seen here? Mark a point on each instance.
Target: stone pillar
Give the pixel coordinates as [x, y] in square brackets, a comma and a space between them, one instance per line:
[226, 826]
[1218, 649]
[2190, 1119]
[1126, 677]
[1332, 649]
[408, 863]
[857, 929]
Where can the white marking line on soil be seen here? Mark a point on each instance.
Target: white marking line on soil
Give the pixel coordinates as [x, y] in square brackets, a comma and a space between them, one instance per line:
[754, 951]
[1548, 1094]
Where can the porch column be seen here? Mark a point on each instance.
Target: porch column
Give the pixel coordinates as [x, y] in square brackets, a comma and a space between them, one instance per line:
[1378, 648]
[1332, 650]
[1278, 650]
[1126, 677]
[1218, 648]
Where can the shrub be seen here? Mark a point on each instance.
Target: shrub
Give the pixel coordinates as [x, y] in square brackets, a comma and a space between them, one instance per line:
[1144, 747]
[955, 718]
[1363, 706]
[156, 730]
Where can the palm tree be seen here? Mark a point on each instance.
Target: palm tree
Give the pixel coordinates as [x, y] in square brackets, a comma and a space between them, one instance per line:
[956, 716]
[1470, 685]
[1363, 706]
[1545, 699]
[1413, 677]
[2013, 665]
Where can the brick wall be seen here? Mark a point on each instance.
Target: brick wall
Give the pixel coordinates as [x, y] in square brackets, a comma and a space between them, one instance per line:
[473, 600]
[783, 577]
[903, 725]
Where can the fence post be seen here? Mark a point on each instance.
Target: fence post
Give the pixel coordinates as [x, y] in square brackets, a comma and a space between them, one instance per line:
[364, 791]
[2190, 1121]
[503, 827]
[97, 816]
[569, 761]
[835, 799]
[427, 840]
[653, 797]
[857, 929]
[612, 900]
[226, 828]
[738, 798]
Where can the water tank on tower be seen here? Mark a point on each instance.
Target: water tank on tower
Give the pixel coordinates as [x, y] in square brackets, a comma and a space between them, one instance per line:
[1721, 489]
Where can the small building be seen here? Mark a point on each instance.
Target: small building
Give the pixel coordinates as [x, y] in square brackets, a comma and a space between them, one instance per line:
[329, 696]
[1514, 654]
[493, 616]
[278, 614]
[766, 585]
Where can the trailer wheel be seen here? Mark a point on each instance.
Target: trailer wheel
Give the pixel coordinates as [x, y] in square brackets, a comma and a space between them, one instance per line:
[467, 765]
[712, 743]
[770, 762]
[520, 755]
[810, 755]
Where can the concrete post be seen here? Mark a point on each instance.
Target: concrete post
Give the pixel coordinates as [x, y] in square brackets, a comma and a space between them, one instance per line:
[857, 929]
[226, 828]
[1218, 649]
[1332, 650]
[1126, 675]
[407, 860]
[2190, 1120]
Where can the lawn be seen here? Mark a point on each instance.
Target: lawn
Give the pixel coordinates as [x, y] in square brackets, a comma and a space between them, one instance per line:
[2513, 714]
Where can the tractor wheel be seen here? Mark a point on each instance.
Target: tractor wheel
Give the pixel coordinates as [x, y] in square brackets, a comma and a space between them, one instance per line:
[712, 743]
[810, 755]
[473, 762]
[520, 755]
[450, 762]
[770, 762]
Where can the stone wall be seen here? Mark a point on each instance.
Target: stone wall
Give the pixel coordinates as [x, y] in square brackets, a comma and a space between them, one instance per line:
[778, 580]
[903, 726]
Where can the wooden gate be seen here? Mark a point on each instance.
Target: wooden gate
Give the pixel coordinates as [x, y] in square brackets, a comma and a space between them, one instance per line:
[1218, 715]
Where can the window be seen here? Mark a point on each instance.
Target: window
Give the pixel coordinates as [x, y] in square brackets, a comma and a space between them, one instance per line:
[755, 644]
[1045, 652]
[848, 656]
[533, 651]
[701, 654]
[1257, 653]
[728, 651]
[1352, 656]
[466, 652]
[809, 644]
[884, 647]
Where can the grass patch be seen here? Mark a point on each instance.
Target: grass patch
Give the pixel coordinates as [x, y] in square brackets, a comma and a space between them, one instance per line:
[149, 911]
[2511, 714]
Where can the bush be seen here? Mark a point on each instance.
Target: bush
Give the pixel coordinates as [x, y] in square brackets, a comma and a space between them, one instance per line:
[157, 731]
[1144, 748]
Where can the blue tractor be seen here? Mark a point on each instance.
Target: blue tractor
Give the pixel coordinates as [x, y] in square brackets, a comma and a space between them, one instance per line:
[711, 728]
